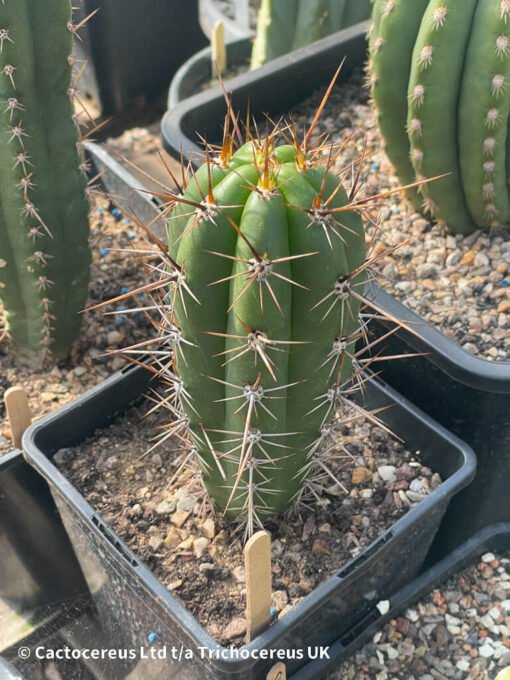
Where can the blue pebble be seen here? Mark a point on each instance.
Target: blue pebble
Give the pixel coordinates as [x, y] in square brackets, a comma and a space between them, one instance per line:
[124, 220]
[152, 638]
[100, 211]
[374, 166]
[104, 251]
[505, 283]
[273, 613]
[131, 236]
[121, 308]
[110, 327]
[119, 320]
[124, 290]
[116, 213]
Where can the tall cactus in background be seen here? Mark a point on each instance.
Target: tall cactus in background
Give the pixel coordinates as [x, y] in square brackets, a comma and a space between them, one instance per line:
[285, 25]
[440, 73]
[44, 253]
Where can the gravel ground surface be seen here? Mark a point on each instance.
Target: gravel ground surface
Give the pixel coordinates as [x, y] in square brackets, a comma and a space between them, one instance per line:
[460, 631]
[461, 284]
[161, 512]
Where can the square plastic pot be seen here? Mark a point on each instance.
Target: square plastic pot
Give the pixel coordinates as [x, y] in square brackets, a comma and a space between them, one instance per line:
[468, 395]
[134, 47]
[138, 607]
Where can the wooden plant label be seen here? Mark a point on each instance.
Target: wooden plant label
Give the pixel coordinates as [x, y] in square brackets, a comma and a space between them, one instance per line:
[18, 413]
[257, 555]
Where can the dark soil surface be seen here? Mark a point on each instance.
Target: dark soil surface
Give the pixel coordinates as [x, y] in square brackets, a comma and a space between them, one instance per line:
[161, 512]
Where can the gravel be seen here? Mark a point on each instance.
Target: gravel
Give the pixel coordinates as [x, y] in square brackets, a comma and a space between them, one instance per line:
[460, 631]
[460, 284]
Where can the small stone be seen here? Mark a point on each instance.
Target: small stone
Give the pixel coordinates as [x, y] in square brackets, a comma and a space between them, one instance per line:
[114, 338]
[279, 599]
[63, 457]
[165, 508]
[486, 651]
[481, 260]
[360, 475]
[325, 528]
[173, 538]
[388, 473]
[185, 501]
[200, 546]
[175, 584]
[209, 528]
[488, 557]
[135, 510]
[79, 371]
[238, 574]
[179, 518]
[155, 542]
[463, 665]
[320, 548]
[468, 258]
[504, 307]
[235, 629]
[187, 544]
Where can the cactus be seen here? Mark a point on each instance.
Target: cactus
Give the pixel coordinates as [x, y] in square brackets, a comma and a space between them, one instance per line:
[439, 72]
[269, 273]
[44, 254]
[285, 25]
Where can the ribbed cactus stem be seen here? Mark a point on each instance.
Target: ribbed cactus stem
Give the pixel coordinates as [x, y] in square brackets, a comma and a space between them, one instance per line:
[44, 254]
[440, 73]
[284, 25]
[267, 279]
[392, 38]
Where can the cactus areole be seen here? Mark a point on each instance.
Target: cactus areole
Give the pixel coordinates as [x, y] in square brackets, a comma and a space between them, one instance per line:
[440, 72]
[44, 254]
[263, 314]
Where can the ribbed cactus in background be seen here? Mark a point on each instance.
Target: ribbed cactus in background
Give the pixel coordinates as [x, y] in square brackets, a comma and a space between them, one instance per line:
[285, 25]
[440, 76]
[44, 253]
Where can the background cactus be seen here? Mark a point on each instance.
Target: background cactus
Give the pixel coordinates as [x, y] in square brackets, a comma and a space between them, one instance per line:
[44, 254]
[439, 71]
[285, 25]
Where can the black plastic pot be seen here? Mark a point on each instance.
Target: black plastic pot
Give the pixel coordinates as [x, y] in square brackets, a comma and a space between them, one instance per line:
[37, 563]
[128, 595]
[197, 70]
[210, 13]
[494, 538]
[468, 395]
[134, 48]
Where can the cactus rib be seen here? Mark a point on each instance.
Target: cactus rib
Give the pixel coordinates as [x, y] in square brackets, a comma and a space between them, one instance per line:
[483, 117]
[391, 48]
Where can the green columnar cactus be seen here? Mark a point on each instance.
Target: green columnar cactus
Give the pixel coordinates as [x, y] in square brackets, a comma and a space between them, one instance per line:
[285, 25]
[267, 277]
[439, 71]
[44, 254]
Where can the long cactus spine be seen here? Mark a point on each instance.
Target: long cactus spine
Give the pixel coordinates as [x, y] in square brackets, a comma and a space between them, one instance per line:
[44, 254]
